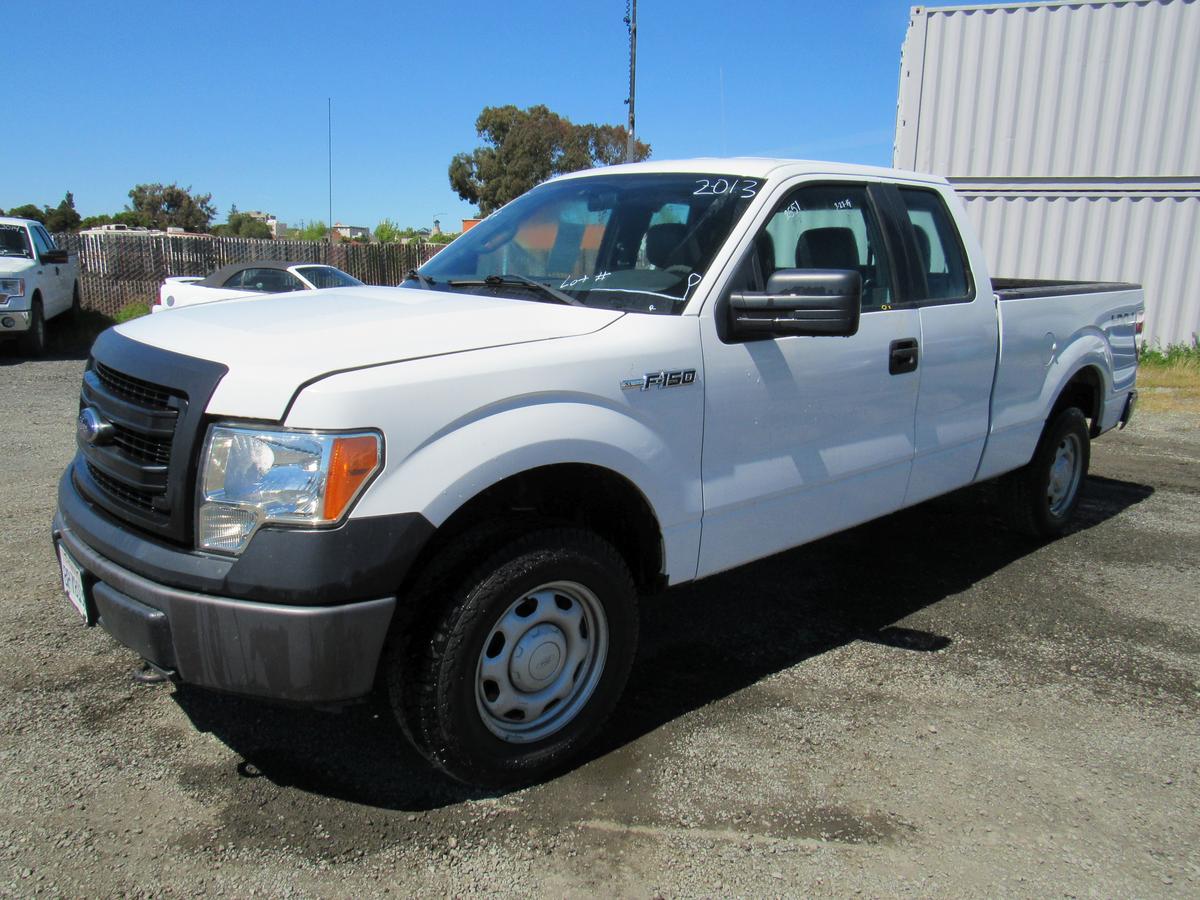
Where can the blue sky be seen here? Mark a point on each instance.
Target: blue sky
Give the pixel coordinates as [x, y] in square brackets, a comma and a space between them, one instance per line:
[230, 97]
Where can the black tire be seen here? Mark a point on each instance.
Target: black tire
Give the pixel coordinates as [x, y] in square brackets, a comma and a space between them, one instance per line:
[437, 685]
[76, 301]
[1040, 499]
[33, 341]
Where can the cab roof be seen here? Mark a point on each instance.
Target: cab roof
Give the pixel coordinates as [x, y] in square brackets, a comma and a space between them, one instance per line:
[756, 167]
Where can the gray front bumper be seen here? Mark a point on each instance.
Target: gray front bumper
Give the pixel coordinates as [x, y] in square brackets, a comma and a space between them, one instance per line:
[302, 654]
[15, 321]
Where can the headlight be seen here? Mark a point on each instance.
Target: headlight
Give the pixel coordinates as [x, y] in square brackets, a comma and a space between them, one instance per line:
[12, 287]
[255, 476]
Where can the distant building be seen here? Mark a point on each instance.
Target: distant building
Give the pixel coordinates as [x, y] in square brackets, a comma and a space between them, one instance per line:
[278, 229]
[351, 232]
[468, 224]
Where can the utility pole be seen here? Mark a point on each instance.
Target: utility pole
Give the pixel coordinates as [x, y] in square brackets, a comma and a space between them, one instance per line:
[631, 23]
[329, 121]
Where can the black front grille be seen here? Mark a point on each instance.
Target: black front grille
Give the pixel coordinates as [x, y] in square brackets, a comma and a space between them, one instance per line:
[145, 449]
[121, 491]
[143, 393]
[142, 471]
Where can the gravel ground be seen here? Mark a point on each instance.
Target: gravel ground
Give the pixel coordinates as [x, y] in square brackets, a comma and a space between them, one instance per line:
[922, 706]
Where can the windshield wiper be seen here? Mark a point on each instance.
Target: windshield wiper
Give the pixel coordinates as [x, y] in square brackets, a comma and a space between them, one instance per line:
[423, 280]
[501, 280]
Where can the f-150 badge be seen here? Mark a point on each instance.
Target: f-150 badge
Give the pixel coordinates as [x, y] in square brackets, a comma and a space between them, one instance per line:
[659, 379]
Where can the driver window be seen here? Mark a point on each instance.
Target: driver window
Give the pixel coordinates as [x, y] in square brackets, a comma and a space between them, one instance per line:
[827, 227]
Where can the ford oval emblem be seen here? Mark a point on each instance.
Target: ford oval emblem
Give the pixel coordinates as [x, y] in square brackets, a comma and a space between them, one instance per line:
[92, 429]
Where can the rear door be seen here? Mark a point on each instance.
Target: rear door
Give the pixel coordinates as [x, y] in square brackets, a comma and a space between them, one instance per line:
[804, 436]
[56, 293]
[959, 337]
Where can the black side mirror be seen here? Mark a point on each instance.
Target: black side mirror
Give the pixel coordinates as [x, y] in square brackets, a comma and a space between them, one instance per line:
[799, 301]
[54, 257]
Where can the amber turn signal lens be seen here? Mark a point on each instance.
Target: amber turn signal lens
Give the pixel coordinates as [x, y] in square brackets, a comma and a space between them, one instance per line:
[352, 462]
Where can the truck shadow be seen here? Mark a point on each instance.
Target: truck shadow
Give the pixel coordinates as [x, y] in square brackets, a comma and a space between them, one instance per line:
[700, 643]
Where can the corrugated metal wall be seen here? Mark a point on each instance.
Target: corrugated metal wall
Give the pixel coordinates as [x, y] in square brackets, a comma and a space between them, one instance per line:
[1113, 238]
[1073, 131]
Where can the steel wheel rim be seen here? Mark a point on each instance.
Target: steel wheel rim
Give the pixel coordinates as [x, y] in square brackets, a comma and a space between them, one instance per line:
[1065, 474]
[541, 661]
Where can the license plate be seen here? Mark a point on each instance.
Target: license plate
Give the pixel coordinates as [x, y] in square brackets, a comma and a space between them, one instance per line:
[72, 578]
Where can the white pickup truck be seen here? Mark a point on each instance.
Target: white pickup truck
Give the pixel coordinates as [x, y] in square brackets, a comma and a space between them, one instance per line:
[37, 282]
[628, 378]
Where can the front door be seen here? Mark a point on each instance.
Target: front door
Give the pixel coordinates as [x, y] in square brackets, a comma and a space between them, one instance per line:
[804, 436]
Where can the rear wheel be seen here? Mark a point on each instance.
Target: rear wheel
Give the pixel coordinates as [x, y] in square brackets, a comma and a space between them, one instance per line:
[33, 342]
[523, 662]
[76, 301]
[1040, 499]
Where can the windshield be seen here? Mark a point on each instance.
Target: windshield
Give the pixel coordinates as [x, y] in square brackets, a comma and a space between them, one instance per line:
[632, 242]
[14, 241]
[327, 277]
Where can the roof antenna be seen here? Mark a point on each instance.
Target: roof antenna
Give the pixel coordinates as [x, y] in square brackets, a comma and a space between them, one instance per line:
[631, 24]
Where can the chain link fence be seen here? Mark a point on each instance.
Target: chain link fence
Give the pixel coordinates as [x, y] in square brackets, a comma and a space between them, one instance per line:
[118, 269]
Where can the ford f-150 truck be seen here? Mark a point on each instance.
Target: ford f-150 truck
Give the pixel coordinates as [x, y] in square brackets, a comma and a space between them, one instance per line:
[626, 379]
[37, 282]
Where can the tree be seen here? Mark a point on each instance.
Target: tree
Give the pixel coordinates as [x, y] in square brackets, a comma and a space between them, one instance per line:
[387, 232]
[28, 211]
[166, 205]
[311, 231]
[63, 217]
[524, 147]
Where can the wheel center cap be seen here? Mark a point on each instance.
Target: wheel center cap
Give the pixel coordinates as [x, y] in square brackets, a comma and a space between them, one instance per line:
[538, 657]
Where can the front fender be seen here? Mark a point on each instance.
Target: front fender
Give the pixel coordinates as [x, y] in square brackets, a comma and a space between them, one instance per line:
[480, 450]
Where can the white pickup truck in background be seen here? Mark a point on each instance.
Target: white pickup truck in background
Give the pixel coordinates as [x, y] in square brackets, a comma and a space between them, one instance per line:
[627, 379]
[37, 282]
[245, 279]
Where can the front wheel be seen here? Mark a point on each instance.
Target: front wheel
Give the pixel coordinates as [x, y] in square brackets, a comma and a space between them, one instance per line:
[33, 342]
[524, 662]
[1040, 498]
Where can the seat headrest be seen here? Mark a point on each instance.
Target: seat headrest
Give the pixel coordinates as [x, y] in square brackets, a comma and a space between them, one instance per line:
[764, 246]
[923, 246]
[827, 248]
[662, 244]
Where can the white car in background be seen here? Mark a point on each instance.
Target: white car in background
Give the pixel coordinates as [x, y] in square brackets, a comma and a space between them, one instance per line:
[246, 279]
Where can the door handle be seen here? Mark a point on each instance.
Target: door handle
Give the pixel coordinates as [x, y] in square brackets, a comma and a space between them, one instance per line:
[902, 356]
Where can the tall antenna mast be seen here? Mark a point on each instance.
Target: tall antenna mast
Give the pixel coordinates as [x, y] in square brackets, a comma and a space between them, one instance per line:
[329, 120]
[631, 24]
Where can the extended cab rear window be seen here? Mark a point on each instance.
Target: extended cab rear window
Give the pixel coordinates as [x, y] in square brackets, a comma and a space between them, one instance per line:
[941, 260]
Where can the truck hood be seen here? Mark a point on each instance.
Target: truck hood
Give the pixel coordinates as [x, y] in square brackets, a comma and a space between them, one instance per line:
[274, 344]
[14, 265]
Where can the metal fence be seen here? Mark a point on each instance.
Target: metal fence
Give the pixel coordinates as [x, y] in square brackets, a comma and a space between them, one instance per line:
[118, 269]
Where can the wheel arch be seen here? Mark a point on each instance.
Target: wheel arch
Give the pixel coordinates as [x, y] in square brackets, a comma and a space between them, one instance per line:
[584, 494]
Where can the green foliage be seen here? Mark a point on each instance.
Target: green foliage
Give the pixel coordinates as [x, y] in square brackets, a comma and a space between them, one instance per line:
[243, 225]
[444, 237]
[1173, 356]
[524, 147]
[28, 211]
[387, 232]
[129, 311]
[310, 231]
[63, 217]
[125, 217]
[166, 205]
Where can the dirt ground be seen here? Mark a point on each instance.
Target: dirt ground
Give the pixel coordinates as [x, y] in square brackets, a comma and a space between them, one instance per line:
[925, 706]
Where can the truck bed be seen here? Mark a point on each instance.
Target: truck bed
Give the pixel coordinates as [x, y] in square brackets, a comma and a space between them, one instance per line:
[1026, 288]
[1049, 330]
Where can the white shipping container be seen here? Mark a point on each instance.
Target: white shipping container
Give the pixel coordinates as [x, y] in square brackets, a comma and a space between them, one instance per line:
[1073, 132]
[1039, 92]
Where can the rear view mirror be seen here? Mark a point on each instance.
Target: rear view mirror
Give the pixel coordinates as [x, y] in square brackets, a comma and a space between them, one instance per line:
[54, 257]
[799, 302]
